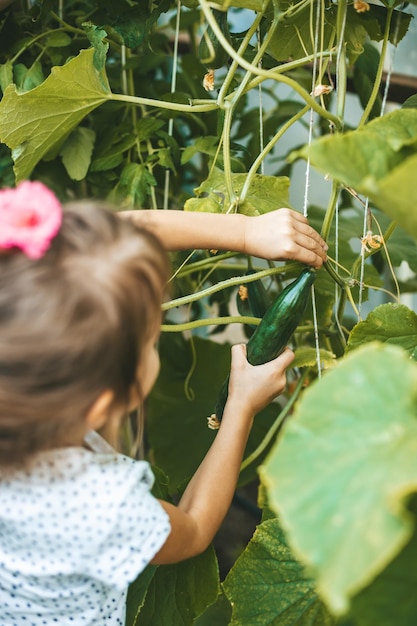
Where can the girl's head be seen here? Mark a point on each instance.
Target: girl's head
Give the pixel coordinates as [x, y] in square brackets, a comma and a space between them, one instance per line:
[75, 324]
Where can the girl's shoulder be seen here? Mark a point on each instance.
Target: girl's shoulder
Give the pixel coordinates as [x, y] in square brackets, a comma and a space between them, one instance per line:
[63, 467]
[77, 507]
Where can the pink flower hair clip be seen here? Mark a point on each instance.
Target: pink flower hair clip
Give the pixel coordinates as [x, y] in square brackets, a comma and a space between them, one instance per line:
[30, 217]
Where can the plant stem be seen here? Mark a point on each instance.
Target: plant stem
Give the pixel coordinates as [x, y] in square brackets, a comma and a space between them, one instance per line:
[210, 321]
[378, 77]
[341, 59]
[341, 310]
[232, 70]
[201, 264]
[329, 269]
[164, 104]
[330, 211]
[227, 169]
[288, 67]
[336, 121]
[225, 284]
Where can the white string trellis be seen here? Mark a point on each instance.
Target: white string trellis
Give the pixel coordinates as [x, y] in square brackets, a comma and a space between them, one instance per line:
[392, 48]
[307, 178]
[173, 87]
[340, 57]
[261, 126]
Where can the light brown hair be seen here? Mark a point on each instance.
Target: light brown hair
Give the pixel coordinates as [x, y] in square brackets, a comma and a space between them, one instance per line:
[73, 324]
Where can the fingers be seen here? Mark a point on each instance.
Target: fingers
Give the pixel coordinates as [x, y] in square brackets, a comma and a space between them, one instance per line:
[239, 353]
[285, 234]
[309, 250]
[283, 361]
[307, 231]
[255, 386]
[285, 358]
[304, 244]
[280, 364]
[306, 236]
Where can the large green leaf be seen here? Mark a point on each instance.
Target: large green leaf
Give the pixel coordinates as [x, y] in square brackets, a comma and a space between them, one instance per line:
[293, 37]
[266, 193]
[267, 586]
[179, 593]
[389, 323]
[137, 594]
[32, 123]
[343, 466]
[363, 157]
[400, 206]
[378, 160]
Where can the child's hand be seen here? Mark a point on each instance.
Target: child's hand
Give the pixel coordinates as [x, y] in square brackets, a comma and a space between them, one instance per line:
[284, 235]
[251, 387]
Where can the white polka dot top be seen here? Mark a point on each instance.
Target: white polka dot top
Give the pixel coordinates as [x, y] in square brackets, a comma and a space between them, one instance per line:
[75, 530]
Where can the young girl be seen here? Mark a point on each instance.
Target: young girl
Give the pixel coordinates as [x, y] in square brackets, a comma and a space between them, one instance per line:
[80, 309]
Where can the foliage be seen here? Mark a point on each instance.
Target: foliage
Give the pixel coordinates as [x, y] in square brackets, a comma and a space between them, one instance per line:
[89, 106]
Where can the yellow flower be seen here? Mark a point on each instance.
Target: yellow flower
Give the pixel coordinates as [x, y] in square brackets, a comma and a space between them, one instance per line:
[361, 6]
[321, 90]
[208, 81]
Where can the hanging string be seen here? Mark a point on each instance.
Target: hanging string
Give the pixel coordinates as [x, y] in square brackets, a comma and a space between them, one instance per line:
[367, 216]
[125, 88]
[260, 106]
[363, 250]
[307, 179]
[311, 120]
[340, 75]
[173, 87]
[392, 49]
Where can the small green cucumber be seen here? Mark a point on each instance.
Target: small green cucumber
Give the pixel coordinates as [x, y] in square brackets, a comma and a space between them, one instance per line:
[275, 329]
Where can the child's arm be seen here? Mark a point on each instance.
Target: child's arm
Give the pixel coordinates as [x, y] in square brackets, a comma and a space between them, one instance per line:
[283, 234]
[208, 496]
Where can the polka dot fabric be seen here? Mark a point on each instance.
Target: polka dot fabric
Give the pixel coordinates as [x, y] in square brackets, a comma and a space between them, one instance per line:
[75, 530]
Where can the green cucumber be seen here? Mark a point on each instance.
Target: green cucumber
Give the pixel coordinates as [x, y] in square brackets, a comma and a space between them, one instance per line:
[275, 329]
[211, 53]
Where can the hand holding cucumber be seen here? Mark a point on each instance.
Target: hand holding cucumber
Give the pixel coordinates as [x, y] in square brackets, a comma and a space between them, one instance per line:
[273, 333]
[252, 388]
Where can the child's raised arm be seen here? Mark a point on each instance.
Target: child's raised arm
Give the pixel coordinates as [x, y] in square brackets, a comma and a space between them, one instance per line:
[208, 496]
[283, 234]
